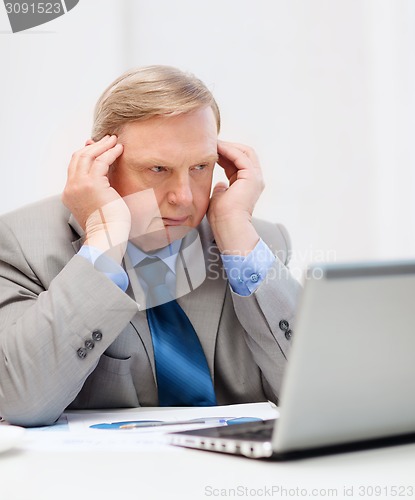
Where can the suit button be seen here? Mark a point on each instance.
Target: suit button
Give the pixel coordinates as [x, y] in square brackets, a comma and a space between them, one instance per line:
[254, 277]
[96, 335]
[82, 353]
[89, 344]
[288, 334]
[284, 325]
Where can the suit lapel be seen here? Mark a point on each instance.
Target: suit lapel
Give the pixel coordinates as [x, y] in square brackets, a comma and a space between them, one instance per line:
[134, 290]
[190, 264]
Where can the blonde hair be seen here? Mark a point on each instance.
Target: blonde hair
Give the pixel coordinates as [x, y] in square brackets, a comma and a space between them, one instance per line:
[146, 92]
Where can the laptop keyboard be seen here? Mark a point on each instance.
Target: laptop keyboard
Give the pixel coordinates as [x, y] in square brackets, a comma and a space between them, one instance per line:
[252, 431]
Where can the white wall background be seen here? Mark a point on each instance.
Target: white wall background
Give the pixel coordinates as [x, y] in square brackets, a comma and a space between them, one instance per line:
[322, 89]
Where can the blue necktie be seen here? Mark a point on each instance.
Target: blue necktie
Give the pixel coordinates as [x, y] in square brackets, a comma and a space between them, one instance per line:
[183, 376]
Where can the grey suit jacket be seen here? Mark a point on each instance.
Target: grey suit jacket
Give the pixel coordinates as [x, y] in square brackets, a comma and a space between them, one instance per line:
[69, 337]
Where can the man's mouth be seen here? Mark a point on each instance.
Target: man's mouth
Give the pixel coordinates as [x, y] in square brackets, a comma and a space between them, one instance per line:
[177, 221]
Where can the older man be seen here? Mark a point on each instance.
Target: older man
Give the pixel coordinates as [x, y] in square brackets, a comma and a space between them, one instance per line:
[126, 294]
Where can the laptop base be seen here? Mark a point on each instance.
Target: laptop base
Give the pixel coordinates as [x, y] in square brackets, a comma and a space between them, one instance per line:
[239, 440]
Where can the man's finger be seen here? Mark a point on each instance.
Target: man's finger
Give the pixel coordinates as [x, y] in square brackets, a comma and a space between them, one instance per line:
[239, 154]
[102, 164]
[83, 159]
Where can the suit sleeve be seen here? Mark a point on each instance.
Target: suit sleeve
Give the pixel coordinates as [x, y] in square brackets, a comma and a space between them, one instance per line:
[267, 315]
[51, 340]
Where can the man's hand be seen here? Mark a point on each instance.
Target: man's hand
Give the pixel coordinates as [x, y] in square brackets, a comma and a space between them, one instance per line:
[96, 206]
[231, 207]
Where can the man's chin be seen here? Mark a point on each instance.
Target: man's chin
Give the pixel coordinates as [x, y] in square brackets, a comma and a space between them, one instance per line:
[154, 240]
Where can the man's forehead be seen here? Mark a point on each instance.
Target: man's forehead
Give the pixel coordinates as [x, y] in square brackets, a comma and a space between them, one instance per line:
[156, 150]
[198, 124]
[142, 157]
[189, 137]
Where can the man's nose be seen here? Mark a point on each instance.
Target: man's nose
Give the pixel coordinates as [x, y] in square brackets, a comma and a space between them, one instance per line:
[180, 192]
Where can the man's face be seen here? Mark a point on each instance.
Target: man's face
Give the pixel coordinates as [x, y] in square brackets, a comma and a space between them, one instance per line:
[165, 174]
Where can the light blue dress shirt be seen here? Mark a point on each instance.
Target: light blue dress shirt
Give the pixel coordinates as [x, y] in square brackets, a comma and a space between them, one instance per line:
[245, 273]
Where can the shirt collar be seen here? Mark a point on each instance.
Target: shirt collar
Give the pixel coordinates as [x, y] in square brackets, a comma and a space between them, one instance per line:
[167, 254]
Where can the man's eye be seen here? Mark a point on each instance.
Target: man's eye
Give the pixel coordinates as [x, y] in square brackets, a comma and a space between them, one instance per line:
[158, 169]
[199, 167]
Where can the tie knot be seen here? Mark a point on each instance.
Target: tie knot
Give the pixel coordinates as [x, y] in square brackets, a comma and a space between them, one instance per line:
[153, 272]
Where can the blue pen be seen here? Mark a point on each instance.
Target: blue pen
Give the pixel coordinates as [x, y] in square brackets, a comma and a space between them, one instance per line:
[159, 423]
[212, 420]
[118, 425]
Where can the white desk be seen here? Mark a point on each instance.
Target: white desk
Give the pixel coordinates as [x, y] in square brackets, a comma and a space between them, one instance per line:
[189, 474]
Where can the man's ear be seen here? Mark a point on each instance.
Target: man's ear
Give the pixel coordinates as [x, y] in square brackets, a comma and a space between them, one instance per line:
[89, 142]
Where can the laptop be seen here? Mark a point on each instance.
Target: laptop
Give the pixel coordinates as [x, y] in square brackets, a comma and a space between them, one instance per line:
[350, 379]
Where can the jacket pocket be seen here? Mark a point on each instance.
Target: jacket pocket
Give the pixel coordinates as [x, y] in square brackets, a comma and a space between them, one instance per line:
[110, 385]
